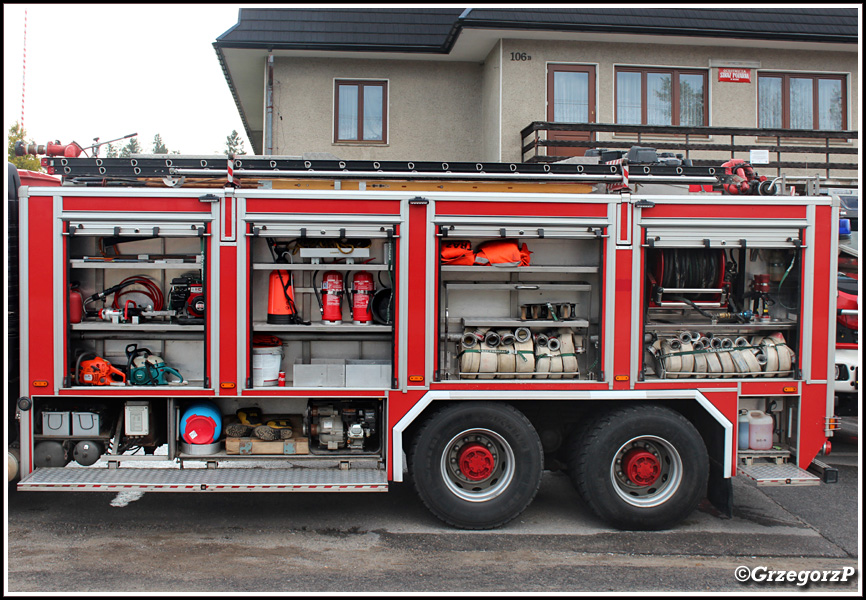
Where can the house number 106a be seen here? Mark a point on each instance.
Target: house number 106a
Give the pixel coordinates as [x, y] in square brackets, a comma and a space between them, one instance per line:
[520, 56]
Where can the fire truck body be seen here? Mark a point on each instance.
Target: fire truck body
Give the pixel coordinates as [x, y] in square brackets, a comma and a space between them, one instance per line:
[499, 328]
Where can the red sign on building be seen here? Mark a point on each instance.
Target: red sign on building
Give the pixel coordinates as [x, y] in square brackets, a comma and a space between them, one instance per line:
[735, 75]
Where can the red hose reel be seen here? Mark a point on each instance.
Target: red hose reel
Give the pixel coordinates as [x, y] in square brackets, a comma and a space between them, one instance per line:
[741, 179]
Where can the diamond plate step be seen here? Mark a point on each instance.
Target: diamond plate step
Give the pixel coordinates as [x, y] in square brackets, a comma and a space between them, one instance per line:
[773, 474]
[205, 480]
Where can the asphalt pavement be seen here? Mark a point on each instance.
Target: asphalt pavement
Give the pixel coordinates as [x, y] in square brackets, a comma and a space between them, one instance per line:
[309, 543]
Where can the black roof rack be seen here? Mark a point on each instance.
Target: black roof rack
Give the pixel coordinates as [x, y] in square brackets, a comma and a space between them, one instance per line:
[177, 168]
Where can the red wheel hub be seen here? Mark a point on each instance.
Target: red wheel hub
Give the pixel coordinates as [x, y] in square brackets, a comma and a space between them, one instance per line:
[476, 462]
[641, 467]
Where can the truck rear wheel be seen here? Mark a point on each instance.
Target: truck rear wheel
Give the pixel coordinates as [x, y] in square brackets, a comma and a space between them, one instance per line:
[476, 465]
[640, 467]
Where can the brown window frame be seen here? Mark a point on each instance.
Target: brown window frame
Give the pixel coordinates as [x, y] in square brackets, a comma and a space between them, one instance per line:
[675, 91]
[361, 84]
[786, 96]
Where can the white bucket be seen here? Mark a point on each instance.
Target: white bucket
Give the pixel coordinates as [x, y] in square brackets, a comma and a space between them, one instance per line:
[266, 365]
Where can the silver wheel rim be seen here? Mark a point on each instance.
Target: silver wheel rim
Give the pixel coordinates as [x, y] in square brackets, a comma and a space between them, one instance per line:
[665, 486]
[491, 486]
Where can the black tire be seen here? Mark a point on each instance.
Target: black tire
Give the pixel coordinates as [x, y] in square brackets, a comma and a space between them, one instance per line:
[640, 467]
[476, 465]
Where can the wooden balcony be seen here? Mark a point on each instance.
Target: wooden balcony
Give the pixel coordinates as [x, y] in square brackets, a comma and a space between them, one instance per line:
[831, 154]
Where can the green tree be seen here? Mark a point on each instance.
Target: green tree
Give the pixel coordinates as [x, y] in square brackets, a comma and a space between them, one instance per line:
[133, 147]
[158, 145]
[234, 144]
[111, 151]
[28, 162]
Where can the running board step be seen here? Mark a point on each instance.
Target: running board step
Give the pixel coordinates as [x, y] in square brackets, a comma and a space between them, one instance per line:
[205, 480]
[766, 474]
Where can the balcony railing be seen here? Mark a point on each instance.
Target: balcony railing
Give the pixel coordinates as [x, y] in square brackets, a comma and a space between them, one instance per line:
[805, 150]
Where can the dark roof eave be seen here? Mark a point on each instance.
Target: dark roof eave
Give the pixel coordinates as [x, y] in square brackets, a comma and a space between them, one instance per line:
[332, 47]
[470, 23]
[234, 92]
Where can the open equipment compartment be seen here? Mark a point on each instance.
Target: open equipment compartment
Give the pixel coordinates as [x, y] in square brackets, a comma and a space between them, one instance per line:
[133, 285]
[519, 303]
[719, 305]
[323, 307]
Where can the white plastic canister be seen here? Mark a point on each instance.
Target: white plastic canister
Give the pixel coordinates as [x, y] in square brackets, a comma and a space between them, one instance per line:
[743, 430]
[760, 430]
[266, 365]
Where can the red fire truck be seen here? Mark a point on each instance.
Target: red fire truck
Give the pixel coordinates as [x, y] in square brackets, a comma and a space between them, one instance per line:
[310, 326]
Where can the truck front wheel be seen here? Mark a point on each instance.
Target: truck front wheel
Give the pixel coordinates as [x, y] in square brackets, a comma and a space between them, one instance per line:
[476, 465]
[640, 467]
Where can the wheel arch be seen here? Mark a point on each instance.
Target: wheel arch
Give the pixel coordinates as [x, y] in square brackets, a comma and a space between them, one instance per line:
[715, 429]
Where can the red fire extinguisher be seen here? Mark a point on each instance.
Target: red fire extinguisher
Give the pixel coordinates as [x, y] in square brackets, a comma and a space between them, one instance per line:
[332, 298]
[76, 303]
[362, 292]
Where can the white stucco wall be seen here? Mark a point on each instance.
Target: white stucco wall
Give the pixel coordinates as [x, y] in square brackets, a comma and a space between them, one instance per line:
[490, 105]
[434, 108]
[467, 111]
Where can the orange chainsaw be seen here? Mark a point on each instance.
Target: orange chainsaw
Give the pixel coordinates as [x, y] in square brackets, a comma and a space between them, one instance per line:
[98, 371]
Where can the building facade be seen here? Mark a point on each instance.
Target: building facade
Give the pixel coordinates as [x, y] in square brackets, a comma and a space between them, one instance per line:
[463, 84]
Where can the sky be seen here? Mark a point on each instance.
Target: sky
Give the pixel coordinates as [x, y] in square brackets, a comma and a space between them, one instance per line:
[108, 70]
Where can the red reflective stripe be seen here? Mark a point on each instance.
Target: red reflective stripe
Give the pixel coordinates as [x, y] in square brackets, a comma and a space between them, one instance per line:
[229, 216]
[624, 229]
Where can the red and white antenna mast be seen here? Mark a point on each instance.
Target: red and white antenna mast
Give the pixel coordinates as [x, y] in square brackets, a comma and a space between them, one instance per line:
[24, 70]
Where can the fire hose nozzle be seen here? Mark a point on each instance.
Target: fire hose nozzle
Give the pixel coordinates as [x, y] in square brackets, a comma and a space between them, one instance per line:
[469, 340]
[72, 150]
[492, 339]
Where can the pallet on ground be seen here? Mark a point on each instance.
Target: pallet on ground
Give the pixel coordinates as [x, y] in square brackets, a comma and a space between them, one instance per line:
[250, 445]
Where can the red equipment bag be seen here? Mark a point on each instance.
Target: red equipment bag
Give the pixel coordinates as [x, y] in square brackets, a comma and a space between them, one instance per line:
[456, 252]
[502, 253]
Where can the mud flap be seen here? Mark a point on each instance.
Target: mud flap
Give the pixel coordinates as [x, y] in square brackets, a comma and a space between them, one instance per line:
[720, 490]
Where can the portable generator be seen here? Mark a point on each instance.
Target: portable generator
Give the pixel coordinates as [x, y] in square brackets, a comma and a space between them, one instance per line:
[186, 298]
